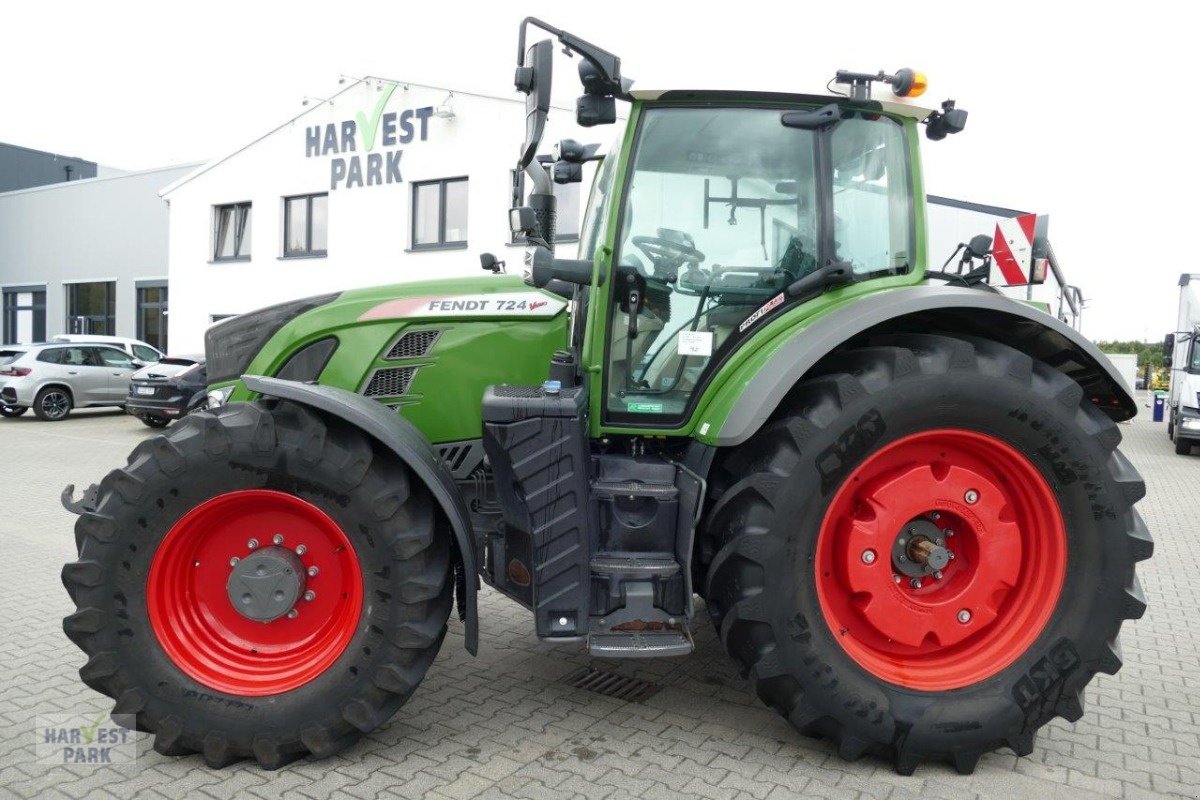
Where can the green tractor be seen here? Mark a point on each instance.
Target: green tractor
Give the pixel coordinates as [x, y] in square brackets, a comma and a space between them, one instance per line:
[898, 495]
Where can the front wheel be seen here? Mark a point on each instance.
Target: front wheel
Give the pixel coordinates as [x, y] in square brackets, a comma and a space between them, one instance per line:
[12, 411]
[259, 583]
[52, 404]
[929, 552]
[155, 422]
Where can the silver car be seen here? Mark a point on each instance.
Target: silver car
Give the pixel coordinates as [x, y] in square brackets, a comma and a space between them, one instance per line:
[56, 377]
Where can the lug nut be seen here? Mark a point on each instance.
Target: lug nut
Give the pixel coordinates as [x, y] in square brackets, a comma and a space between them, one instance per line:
[277, 538]
[233, 562]
[915, 583]
[937, 574]
[312, 571]
[939, 542]
[293, 614]
[950, 554]
[310, 595]
[301, 550]
[935, 516]
[972, 497]
[947, 532]
[964, 616]
[868, 556]
[895, 578]
[252, 544]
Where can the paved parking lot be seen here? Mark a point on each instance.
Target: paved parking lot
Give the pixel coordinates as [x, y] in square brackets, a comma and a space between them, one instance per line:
[504, 725]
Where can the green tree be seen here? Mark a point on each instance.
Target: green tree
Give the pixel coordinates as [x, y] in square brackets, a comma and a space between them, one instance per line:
[1147, 352]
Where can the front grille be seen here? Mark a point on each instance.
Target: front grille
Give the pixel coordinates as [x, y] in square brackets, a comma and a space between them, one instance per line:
[413, 344]
[390, 381]
[461, 458]
[516, 390]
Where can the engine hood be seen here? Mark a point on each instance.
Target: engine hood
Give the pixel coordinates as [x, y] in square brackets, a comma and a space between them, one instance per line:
[499, 297]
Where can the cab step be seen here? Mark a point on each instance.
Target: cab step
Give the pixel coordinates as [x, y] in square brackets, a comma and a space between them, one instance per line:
[635, 565]
[640, 644]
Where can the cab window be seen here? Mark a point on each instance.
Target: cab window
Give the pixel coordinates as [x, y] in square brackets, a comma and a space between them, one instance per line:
[724, 209]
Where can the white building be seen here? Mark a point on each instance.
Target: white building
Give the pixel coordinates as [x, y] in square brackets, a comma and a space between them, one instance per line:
[86, 256]
[383, 182]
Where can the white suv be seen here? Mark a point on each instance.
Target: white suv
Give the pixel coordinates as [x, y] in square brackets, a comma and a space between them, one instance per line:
[54, 378]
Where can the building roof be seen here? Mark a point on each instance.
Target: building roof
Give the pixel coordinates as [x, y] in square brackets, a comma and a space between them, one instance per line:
[68, 185]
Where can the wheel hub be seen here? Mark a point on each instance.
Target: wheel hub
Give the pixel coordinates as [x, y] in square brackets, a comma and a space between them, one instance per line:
[266, 585]
[919, 549]
[245, 609]
[977, 558]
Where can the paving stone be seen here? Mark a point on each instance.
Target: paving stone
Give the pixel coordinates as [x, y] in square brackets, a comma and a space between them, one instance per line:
[482, 727]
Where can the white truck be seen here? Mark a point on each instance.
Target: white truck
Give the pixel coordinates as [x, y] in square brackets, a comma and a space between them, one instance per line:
[1181, 354]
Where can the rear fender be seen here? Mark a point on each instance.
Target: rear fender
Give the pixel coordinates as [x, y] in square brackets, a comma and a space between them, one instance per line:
[921, 309]
[410, 446]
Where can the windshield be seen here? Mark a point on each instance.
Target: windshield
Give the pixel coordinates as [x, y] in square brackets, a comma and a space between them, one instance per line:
[727, 207]
[1194, 366]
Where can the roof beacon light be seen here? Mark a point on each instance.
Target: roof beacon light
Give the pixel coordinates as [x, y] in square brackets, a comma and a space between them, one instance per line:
[905, 83]
[908, 83]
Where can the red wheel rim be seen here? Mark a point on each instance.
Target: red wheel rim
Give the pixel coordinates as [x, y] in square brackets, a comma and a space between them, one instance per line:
[991, 601]
[208, 638]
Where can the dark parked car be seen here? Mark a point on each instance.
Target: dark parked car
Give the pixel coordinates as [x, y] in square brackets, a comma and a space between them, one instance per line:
[168, 390]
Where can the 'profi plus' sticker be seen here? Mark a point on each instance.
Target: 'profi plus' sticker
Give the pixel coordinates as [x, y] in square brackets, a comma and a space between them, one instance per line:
[505, 304]
[644, 408]
[766, 307]
[695, 343]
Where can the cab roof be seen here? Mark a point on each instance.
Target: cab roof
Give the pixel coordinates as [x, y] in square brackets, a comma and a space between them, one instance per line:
[892, 105]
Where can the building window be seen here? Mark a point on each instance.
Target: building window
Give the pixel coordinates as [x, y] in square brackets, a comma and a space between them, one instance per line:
[24, 315]
[305, 225]
[439, 214]
[231, 240]
[91, 308]
[152, 315]
[567, 215]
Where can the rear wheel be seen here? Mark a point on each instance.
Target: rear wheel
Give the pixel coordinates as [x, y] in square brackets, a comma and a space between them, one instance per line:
[928, 553]
[13, 411]
[258, 583]
[1183, 447]
[52, 404]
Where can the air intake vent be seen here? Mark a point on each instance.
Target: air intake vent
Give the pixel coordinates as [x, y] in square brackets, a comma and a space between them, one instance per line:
[611, 684]
[390, 382]
[413, 344]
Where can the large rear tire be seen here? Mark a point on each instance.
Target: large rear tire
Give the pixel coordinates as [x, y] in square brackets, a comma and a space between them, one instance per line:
[818, 596]
[319, 508]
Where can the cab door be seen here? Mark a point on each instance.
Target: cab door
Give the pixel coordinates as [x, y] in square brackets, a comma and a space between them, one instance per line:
[119, 367]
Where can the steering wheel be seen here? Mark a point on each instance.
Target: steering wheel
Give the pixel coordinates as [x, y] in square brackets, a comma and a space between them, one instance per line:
[659, 249]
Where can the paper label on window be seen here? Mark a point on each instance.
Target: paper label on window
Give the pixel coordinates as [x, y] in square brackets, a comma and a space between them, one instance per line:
[695, 343]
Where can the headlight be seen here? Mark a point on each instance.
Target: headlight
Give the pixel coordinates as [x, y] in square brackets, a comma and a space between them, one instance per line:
[230, 346]
[218, 397]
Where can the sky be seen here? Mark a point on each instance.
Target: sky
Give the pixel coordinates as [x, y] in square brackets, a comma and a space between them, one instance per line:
[1076, 110]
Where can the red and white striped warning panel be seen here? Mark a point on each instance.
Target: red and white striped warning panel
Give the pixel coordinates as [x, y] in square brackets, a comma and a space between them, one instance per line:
[1013, 263]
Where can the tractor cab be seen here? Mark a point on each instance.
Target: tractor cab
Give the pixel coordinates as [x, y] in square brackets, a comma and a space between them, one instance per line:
[717, 212]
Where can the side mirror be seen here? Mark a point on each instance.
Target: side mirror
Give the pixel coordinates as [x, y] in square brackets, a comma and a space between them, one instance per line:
[596, 106]
[1168, 345]
[138, 363]
[979, 246]
[490, 263]
[534, 78]
[523, 221]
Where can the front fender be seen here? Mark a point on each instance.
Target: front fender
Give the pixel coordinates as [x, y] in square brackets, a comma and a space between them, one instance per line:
[410, 446]
[751, 398]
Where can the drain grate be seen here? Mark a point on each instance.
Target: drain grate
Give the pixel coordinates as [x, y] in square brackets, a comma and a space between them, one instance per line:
[610, 684]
